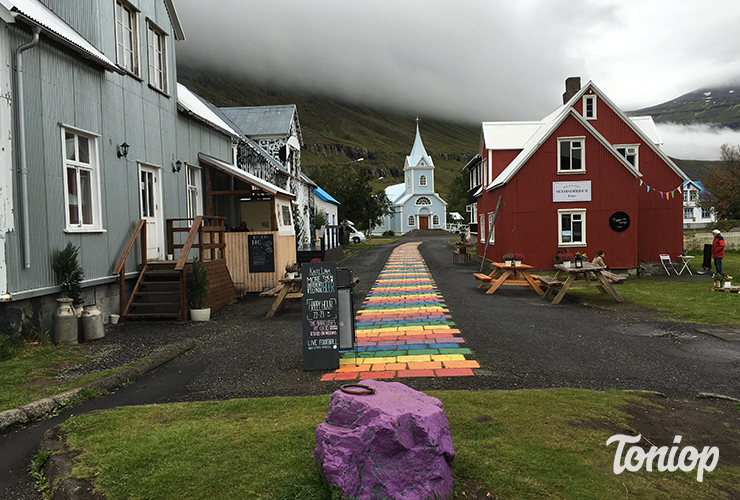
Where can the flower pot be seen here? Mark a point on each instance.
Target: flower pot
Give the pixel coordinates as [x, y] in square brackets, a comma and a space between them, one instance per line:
[114, 319]
[291, 276]
[64, 323]
[728, 284]
[566, 263]
[517, 262]
[507, 262]
[200, 314]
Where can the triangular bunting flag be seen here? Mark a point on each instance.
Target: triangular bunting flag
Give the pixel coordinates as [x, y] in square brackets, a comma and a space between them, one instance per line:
[648, 189]
[641, 182]
[661, 194]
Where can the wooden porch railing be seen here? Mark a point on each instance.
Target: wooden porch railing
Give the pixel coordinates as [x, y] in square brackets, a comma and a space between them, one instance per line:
[120, 269]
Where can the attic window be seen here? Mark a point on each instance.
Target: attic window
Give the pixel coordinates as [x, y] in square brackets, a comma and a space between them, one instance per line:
[570, 156]
[629, 153]
[589, 107]
[423, 200]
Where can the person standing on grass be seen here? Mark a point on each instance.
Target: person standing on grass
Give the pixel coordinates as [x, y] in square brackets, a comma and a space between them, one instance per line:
[718, 250]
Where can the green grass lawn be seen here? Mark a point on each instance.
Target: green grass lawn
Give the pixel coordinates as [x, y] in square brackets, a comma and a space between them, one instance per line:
[517, 444]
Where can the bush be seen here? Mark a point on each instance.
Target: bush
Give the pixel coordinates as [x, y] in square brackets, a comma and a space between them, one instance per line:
[8, 349]
[723, 225]
[198, 287]
[68, 271]
[389, 234]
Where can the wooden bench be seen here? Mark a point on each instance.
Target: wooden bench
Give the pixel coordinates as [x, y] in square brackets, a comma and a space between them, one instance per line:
[614, 278]
[549, 281]
[456, 255]
[482, 277]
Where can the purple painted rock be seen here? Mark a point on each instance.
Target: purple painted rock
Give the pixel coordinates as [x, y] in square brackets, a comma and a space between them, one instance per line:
[394, 444]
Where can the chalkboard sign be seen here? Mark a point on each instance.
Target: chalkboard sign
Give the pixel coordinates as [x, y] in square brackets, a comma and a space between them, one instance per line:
[261, 253]
[320, 316]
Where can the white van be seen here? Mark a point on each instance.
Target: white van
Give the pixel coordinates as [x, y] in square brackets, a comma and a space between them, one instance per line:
[355, 236]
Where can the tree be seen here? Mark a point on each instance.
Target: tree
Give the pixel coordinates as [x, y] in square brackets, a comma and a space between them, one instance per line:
[351, 188]
[724, 185]
[459, 194]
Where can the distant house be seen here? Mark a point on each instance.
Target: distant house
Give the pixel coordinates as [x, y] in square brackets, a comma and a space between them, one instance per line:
[415, 205]
[695, 216]
[585, 178]
[277, 131]
[330, 206]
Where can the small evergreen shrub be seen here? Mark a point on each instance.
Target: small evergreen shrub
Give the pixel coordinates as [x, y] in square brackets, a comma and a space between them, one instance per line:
[198, 286]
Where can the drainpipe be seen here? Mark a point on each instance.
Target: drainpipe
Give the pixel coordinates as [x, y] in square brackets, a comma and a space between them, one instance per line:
[21, 134]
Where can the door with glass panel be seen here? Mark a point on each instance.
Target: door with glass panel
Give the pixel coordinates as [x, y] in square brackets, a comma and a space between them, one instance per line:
[150, 203]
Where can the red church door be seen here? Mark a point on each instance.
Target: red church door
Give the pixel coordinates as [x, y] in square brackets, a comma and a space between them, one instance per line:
[424, 222]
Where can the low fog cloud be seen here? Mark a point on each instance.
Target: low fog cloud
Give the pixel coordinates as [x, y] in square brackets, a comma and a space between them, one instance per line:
[468, 60]
[696, 142]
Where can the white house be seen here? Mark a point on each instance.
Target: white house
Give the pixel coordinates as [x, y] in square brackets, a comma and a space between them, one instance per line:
[415, 204]
[326, 203]
[693, 215]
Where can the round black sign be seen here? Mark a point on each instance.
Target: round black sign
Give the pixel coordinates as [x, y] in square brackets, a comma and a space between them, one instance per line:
[619, 221]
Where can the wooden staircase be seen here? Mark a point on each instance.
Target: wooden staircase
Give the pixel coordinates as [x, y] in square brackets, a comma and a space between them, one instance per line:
[157, 293]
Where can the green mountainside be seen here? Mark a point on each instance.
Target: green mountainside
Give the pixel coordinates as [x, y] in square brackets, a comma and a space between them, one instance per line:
[717, 105]
[338, 133]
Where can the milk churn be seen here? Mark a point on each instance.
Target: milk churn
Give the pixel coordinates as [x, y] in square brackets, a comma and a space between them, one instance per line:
[64, 323]
[92, 323]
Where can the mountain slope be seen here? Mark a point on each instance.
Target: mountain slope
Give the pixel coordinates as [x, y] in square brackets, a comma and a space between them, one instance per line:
[337, 133]
[715, 105]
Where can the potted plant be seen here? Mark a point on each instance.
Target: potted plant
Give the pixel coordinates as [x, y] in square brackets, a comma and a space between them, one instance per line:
[69, 273]
[728, 281]
[508, 258]
[198, 289]
[565, 258]
[518, 258]
[719, 279]
[292, 269]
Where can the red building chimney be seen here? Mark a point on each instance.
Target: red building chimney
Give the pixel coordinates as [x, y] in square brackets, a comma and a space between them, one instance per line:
[572, 86]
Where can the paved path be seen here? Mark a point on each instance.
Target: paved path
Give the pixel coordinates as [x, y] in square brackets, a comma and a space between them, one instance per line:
[404, 328]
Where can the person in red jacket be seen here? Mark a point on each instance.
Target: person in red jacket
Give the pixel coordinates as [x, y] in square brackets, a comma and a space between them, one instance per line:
[718, 250]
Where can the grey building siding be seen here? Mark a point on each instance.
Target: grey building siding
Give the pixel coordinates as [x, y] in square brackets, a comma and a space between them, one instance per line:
[60, 88]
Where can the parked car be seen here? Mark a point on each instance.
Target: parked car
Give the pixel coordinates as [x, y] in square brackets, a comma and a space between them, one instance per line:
[355, 236]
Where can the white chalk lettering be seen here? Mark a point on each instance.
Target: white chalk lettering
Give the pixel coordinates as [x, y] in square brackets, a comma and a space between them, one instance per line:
[688, 459]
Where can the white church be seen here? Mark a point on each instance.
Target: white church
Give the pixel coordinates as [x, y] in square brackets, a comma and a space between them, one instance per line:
[415, 204]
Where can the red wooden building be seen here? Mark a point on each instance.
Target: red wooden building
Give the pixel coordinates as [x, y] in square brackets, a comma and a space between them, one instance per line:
[585, 178]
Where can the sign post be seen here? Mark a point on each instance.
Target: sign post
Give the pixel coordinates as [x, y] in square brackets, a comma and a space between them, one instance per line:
[320, 316]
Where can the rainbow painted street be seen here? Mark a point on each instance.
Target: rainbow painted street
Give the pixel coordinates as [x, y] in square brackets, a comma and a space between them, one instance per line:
[403, 328]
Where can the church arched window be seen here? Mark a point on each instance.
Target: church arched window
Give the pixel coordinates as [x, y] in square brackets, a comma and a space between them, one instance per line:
[423, 200]
[422, 180]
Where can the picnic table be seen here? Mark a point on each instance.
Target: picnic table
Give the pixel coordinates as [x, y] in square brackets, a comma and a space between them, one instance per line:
[509, 276]
[588, 275]
[289, 288]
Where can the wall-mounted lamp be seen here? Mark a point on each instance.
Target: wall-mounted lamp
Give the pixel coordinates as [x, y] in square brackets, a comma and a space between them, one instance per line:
[122, 150]
[177, 166]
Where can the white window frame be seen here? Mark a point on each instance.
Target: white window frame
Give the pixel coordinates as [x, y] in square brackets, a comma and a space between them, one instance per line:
[482, 227]
[492, 230]
[127, 37]
[92, 168]
[194, 191]
[411, 221]
[422, 180]
[592, 99]
[582, 148]
[688, 212]
[157, 55]
[408, 179]
[435, 220]
[423, 201]
[706, 212]
[572, 212]
[693, 195]
[630, 150]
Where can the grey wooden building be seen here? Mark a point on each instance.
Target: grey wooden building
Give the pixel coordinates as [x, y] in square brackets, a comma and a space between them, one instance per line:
[92, 141]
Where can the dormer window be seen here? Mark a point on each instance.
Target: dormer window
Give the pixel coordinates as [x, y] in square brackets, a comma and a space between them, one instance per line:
[422, 180]
[589, 107]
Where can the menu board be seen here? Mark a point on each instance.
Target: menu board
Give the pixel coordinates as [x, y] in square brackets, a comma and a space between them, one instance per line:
[261, 253]
[320, 316]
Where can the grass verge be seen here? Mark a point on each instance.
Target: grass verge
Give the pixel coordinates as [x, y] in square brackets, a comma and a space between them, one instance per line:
[513, 445]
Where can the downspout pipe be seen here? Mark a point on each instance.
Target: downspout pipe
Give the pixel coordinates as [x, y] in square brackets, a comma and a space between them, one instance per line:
[21, 135]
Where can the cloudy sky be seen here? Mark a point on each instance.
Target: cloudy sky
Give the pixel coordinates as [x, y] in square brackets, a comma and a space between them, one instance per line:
[474, 60]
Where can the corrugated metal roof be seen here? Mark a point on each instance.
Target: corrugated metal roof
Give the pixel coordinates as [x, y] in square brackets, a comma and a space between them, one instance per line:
[509, 135]
[262, 120]
[395, 191]
[647, 125]
[325, 196]
[255, 181]
[196, 106]
[36, 13]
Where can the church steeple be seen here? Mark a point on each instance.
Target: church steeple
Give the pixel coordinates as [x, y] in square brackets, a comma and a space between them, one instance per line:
[418, 156]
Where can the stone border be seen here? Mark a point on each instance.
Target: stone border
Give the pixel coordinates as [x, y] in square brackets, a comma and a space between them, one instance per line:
[39, 408]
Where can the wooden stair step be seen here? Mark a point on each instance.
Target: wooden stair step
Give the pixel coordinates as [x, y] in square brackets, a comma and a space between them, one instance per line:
[154, 304]
[151, 316]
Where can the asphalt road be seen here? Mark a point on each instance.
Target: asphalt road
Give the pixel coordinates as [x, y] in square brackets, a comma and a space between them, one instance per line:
[519, 339]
